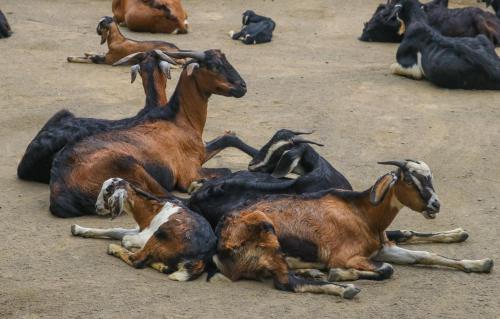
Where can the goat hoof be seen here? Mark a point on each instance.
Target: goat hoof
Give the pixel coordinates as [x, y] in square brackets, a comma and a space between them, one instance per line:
[113, 249]
[487, 266]
[74, 230]
[350, 292]
[231, 33]
[218, 277]
[194, 186]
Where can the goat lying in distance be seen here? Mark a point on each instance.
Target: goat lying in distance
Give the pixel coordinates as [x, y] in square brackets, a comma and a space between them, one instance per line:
[171, 238]
[461, 22]
[64, 128]
[5, 30]
[156, 16]
[343, 231]
[120, 46]
[287, 151]
[455, 63]
[159, 151]
[256, 29]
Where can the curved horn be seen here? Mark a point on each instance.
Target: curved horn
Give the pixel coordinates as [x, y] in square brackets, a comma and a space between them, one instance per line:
[303, 133]
[165, 68]
[300, 140]
[133, 72]
[400, 164]
[128, 58]
[197, 55]
[165, 57]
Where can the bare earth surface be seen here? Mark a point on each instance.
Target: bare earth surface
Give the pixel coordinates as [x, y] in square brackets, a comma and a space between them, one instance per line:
[314, 75]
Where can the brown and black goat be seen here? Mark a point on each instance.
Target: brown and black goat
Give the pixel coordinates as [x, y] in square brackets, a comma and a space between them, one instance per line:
[160, 150]
[342, 231]
[156, 16]
[119, 46]
[64, 128]
[288, 152]
[5, 30]
[170, 238]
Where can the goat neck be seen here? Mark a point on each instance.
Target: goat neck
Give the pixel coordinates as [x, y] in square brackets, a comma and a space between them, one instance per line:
[155, 86]
[380, 217]
[114, 35]
[193, 103]
[143, 209]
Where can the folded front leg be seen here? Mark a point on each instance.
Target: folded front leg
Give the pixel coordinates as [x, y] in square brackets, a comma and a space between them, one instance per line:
[398, 255]
[412, 237]
[361, 268]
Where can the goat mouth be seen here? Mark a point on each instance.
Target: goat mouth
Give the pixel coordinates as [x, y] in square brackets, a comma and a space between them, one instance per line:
[237, 92]
[429, 214]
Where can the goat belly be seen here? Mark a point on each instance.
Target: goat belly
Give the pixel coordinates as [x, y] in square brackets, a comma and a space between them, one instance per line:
[294, 246]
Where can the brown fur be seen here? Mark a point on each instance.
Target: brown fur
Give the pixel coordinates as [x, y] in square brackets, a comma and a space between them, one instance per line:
[156, 16]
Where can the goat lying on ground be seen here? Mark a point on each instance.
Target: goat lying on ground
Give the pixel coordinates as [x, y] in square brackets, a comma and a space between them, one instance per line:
[64, 128]
[256, 29]
[167, 233]
[461, 22]
[339, 230]
[286, 152]
[5, 30]
[495, 4]
[119, 46]
[455, 63]
[159, 151]
[156, 16]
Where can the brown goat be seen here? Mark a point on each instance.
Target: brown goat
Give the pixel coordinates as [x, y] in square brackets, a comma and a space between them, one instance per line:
[119, 46]
[171, 238]
[156, 16]
[161, 150]
[343, 231]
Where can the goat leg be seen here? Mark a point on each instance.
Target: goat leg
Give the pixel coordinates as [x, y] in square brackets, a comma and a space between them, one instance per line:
[397, 255]
[361, 268]
[412, 237]
[229, 139]
[88, 58]
[113, 233]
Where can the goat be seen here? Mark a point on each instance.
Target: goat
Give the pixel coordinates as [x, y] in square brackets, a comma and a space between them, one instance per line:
[160, 150]
[167, 233]
[256, 29]
[339, 230]
[455, 63]
[156, 16]
[5, 30]
[64, 128]
[119, 46]
[495, 4]
[461, 22]
[287, 151]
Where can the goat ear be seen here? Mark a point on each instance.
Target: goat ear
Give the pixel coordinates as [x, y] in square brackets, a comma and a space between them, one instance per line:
[288, 162]
[191, 67]
[382, 187]
[104, 35]
[133, 72]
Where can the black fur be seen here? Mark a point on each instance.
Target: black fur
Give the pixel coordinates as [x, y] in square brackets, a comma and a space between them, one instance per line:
[5, 30]
[294, 246]
[256, 29]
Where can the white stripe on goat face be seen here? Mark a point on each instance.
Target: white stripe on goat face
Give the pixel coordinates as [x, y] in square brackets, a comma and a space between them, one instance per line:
[99, 204]
[423, 169]
[269, 153]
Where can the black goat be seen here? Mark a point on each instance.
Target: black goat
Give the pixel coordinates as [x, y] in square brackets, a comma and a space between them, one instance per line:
[5, 30]
[455, 63]
[256, 29]
[461, 22]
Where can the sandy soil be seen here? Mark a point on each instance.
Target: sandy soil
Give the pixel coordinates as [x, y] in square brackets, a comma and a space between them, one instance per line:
[314, 75]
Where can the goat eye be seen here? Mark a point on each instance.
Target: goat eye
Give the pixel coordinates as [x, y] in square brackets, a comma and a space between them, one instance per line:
[408, 180]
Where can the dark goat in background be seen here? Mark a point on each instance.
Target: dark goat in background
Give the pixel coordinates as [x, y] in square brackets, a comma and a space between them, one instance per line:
[461, 22]
[65, 128]
[455, 63]
[5, 30]
[256, 29]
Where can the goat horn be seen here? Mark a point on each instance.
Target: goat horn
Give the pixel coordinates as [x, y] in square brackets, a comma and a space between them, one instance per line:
[197, 55]
[126, 59]
[300, 140]
[400, 164]
[303, 133]
[165, 57]
[165, 68]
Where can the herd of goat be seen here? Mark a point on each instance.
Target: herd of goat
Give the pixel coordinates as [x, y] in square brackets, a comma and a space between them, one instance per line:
[291, 216]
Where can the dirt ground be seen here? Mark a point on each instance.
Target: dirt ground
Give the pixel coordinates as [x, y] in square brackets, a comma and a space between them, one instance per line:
[314, 75]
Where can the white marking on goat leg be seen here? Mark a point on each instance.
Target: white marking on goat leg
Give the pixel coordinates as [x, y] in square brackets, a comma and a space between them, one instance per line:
[113, 233]
[310, 273]
[451, 236]
[182, 274]
[403, 256]
[297, 263]
[344, 291]
[76, 59]
[415, 71]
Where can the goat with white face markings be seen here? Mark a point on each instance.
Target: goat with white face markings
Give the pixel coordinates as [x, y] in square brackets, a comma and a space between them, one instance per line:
[339, 230]
[256, 29]
[170, 237]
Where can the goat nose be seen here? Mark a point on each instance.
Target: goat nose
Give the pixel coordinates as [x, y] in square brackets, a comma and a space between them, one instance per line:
[434, 206]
